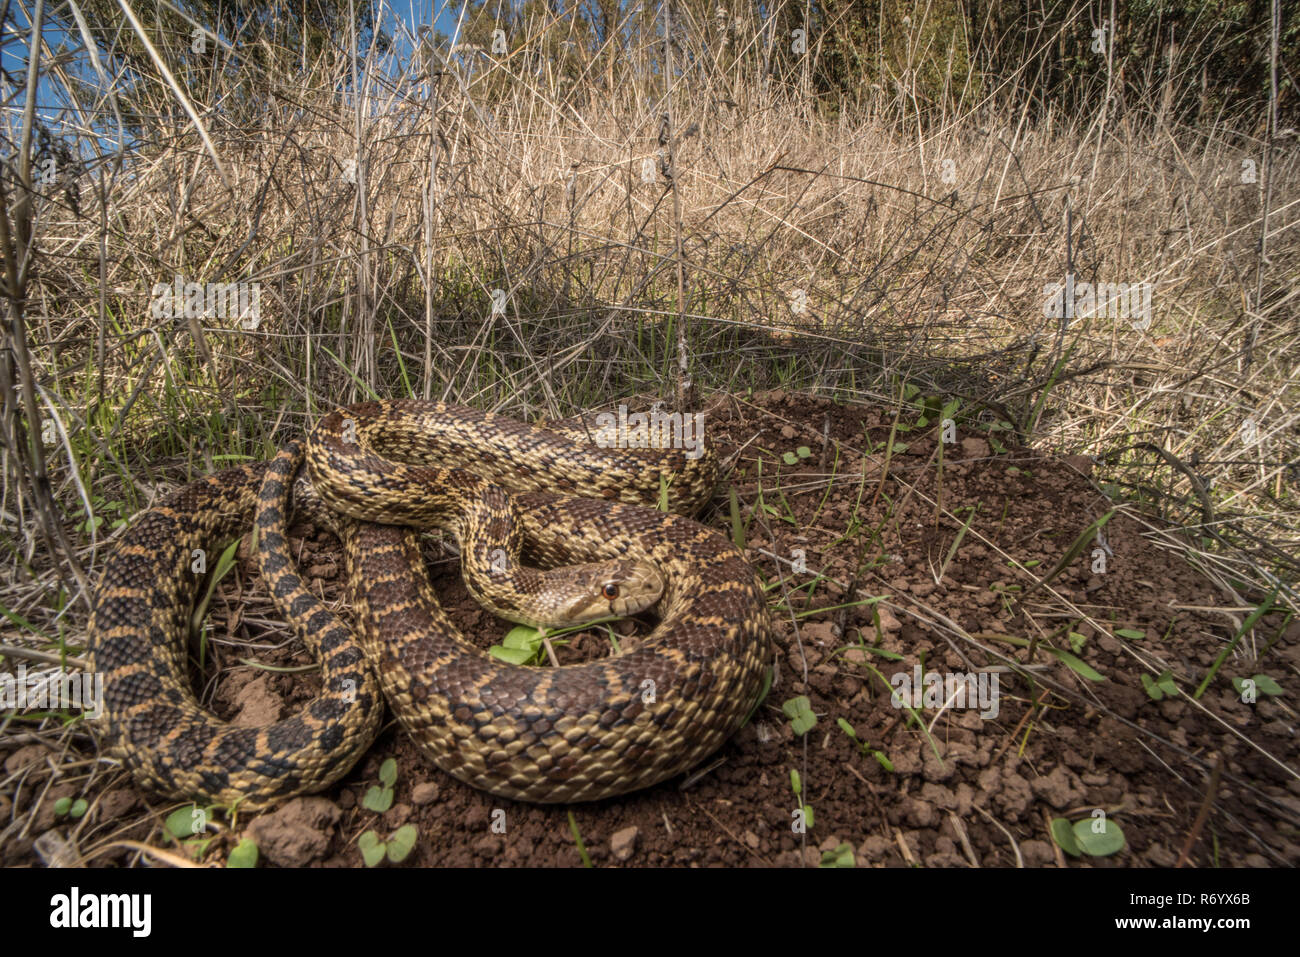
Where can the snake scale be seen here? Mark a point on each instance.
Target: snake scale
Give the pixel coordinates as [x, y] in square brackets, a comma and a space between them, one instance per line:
[573, 733]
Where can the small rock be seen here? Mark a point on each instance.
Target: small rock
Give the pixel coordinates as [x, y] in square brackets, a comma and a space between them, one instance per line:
[397, 815]
[1037, 853]
[822, 633]
[623, 843]
[1057, 788]
[787, 859]
[888, 620]
[750, 839]
[424, 793]
[905, 761]
[258, 704]
[1173, 710]
[810, 657]
[297, 833]
[918, 813]
[875, 847]
[1014, 795]
[934, 768]
[965, 799]
[938, 796]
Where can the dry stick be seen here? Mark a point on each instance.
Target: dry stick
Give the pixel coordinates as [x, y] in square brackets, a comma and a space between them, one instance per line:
[102, 190]
[1198, 486]
[1274, 25]
[902, 845]
[165, 857]
[430, 218]
[1020, 861]
[16, 248]
[170, 80]
[365, 335]
[685, 388]
[963, 838]
[1105, 102]
[1203, 813]
[858, 774]
[45, 657]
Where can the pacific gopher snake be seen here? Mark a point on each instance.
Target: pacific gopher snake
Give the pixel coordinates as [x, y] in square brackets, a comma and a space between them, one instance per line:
[577, 732]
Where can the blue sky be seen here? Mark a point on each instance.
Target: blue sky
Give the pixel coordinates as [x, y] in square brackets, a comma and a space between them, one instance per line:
[13, 52]
[421, 11]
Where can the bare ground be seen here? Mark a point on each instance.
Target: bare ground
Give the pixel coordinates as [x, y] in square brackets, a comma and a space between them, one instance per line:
[844, 523]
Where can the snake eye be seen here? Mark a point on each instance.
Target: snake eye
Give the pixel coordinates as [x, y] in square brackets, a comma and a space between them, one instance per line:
[610, 591]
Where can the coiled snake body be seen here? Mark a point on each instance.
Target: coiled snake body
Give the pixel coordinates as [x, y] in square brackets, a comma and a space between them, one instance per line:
[572, 733]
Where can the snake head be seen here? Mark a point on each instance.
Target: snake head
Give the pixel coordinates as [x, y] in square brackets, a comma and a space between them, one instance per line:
[609, 589]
